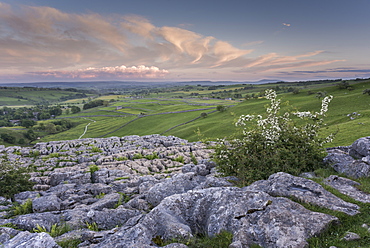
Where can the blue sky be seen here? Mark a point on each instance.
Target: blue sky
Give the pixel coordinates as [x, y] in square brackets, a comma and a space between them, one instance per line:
[176, 40]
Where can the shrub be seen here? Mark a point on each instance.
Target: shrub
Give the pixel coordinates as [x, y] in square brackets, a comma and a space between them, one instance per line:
[366, 91]
[274, 144]
[137, 156]
[203, 115]
[93, 168]
[193, 158]
[221, 108]
[179, 159]
[152, 156]
[95, 149]
[121, 158]
[14, 180]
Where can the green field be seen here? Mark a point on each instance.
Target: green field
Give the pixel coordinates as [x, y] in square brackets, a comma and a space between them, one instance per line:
[12, 96]
[345, 102]
[163, 112]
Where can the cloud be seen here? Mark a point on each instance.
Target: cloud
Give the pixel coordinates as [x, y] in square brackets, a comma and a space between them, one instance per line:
[356, 71]
[104, 73]
[46, 42]
[253, 43]
[138, 25]
[286, 24]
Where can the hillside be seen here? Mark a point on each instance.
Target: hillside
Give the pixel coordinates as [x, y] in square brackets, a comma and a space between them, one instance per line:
[348, 111]
[190, 111]
[23, 96]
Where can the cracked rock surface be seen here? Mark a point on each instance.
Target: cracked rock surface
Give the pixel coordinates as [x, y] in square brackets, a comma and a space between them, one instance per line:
[134, 189]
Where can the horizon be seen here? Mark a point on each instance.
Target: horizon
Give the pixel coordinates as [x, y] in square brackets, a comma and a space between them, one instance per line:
[162, 41]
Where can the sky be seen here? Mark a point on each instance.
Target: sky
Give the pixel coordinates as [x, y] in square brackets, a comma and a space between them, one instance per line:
[183, 40]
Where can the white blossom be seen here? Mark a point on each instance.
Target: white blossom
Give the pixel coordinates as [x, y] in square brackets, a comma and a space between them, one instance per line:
[274, 124]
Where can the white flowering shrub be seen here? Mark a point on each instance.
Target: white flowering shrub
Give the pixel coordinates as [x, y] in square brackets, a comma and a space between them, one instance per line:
[274, 143]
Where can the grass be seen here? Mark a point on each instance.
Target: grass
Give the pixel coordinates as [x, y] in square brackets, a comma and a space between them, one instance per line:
[25, 208]
[155, 124]
[55, 229]
[108, 121]
[220, 240]
[69, 243]
[92, 226]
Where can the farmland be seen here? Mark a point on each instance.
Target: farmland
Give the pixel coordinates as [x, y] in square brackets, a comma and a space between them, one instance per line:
[190, 111]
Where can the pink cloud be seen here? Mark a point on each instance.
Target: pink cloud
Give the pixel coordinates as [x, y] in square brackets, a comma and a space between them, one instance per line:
[117, 72]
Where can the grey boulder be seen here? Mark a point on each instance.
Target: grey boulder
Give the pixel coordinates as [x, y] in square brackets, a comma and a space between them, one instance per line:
[253, 217]
[304, 190]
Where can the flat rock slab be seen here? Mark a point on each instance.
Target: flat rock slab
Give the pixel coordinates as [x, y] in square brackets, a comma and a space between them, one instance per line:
[304, 190]
[347, 187]
[253, 218]
[27, 240]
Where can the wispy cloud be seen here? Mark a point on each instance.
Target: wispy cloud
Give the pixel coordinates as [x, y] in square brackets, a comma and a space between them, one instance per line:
[253, 43]
[365, 72]
[47, 42]
[286, 24]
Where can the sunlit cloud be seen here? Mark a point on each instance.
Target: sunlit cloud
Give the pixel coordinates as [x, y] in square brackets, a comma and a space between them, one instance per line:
[117, 72]
[46, 42]
[286, 24]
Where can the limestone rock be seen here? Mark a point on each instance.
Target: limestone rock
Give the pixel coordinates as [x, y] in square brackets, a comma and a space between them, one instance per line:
[160, 196]
[253, 217]
[352, 161]
[347, 187]
[302, 189]
[46, 203]
[110, 218]
[182, 183]
[7, 233]
[31, 221]
[27, 240]
[360, 148]
[22, 197]
[350, 236]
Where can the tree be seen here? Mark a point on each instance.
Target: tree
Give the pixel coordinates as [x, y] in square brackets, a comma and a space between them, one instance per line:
[8, 138]
[43, 116]
[343, 85]
[203, 115]
[56, 110]
[30, 134]
[221, 108]
[295, 91]
[50, 128]
[94, 104]
[27, 123]
[75, 109]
